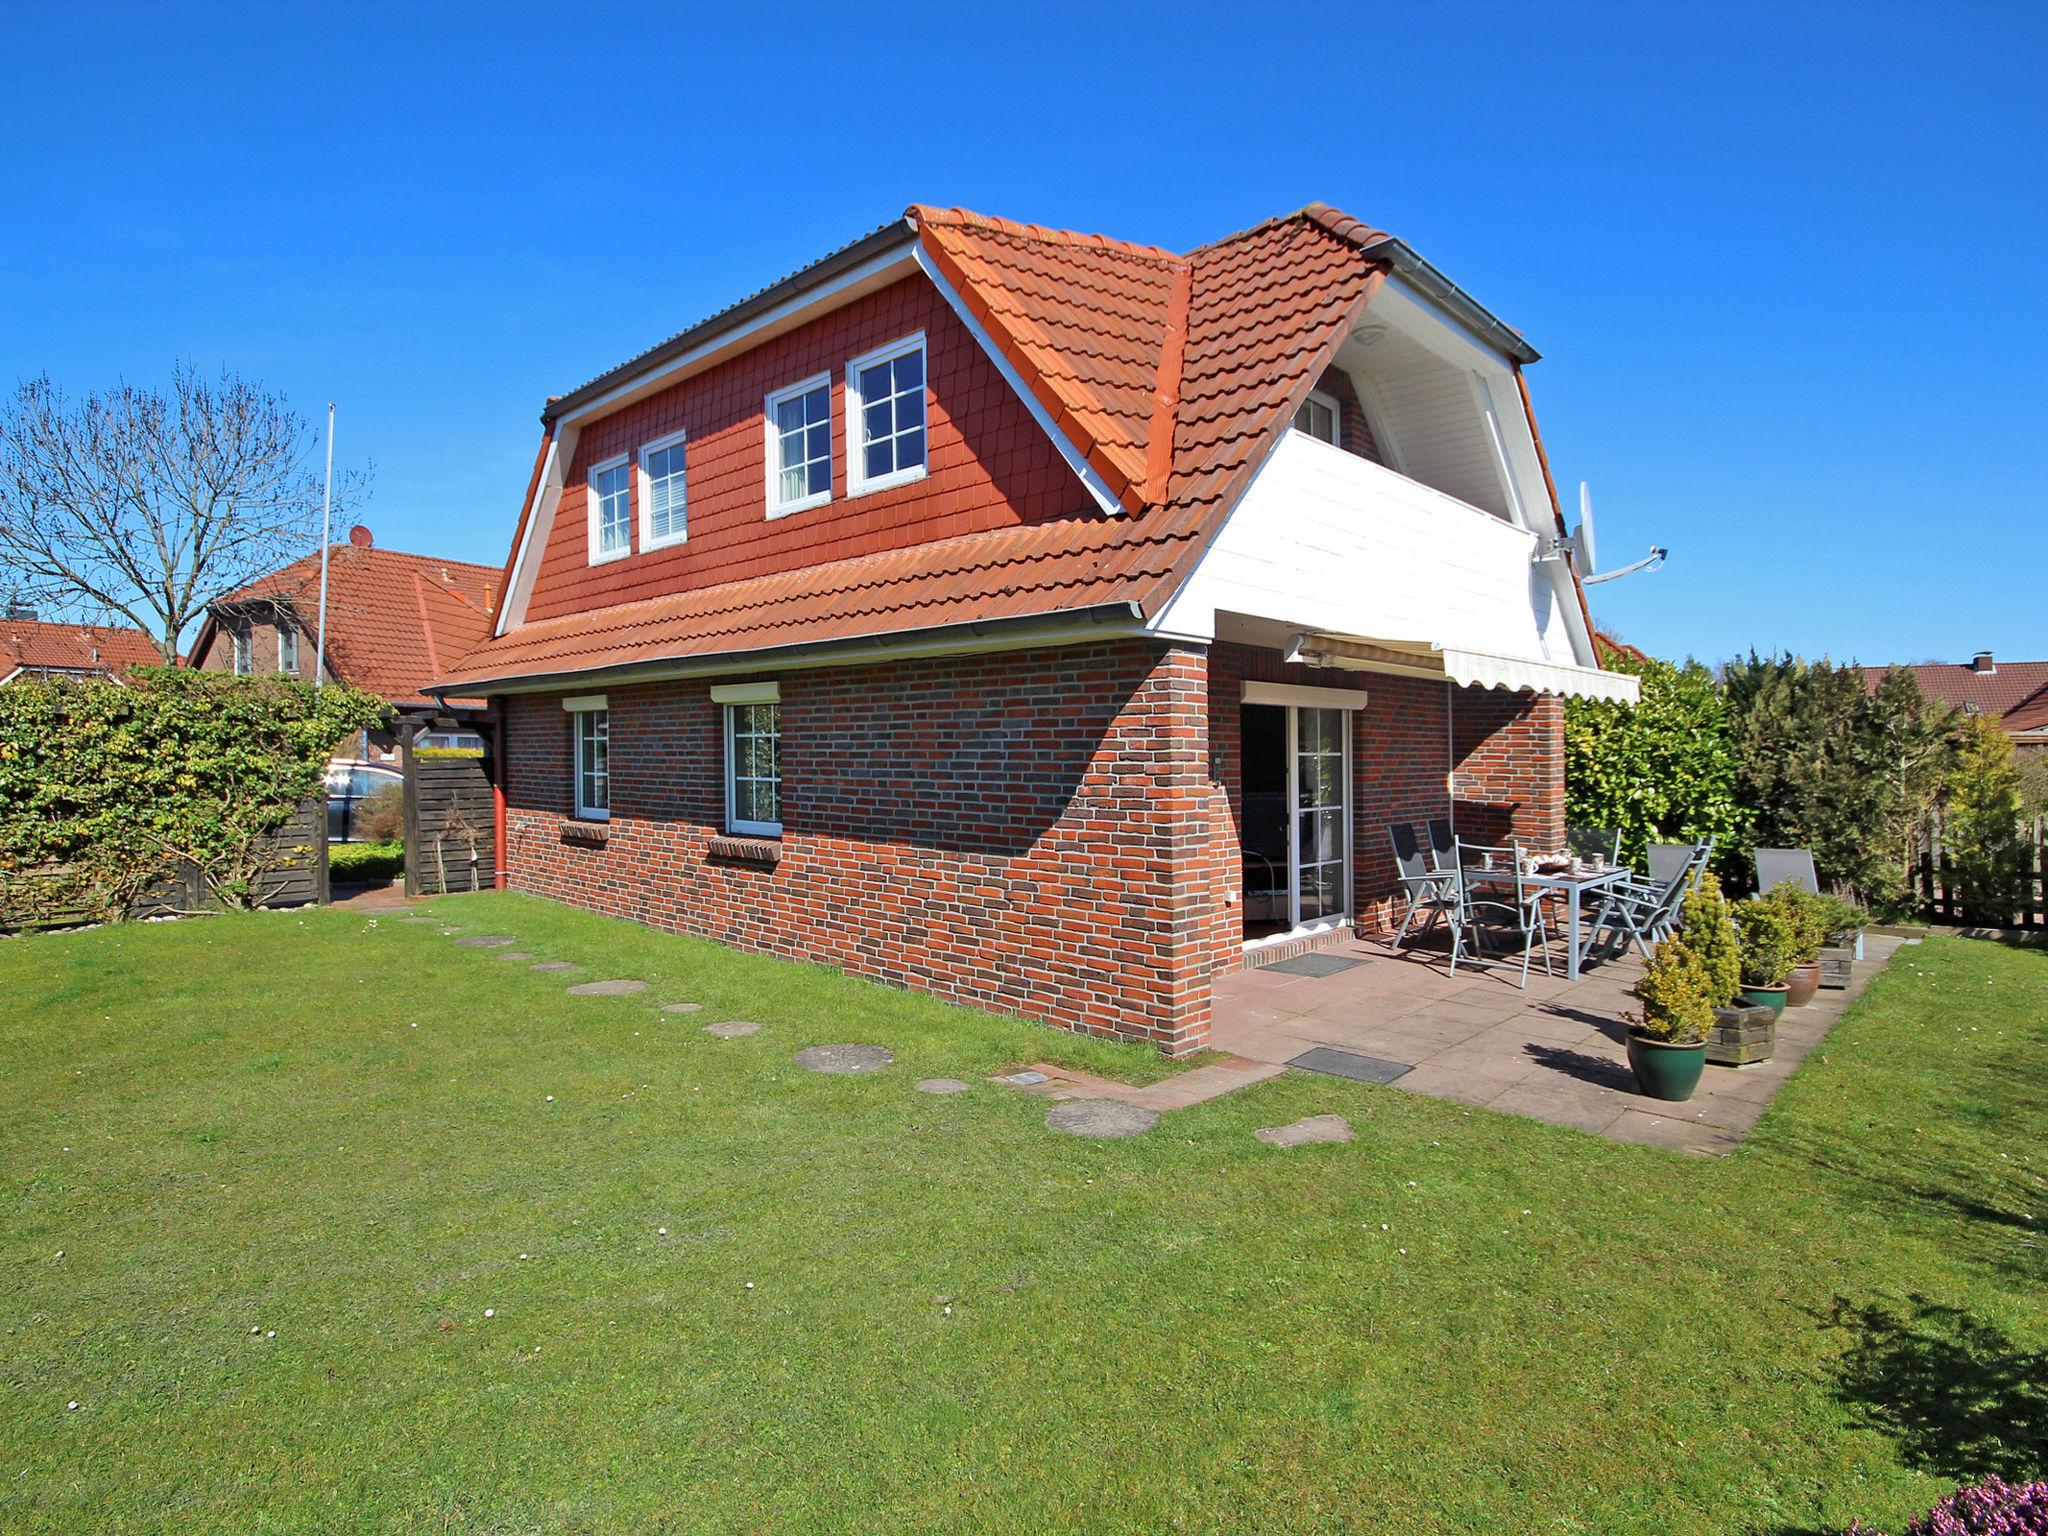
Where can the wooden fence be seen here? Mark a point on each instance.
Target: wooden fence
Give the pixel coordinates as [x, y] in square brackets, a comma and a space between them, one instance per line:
[450, 842]
[294, 874]
[1941, 901]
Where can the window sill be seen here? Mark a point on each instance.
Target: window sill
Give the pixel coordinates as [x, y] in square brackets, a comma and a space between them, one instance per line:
[791, 508]
[888, 482]
[745, 850]
[598, 558]
[649, 543]
[592, 834]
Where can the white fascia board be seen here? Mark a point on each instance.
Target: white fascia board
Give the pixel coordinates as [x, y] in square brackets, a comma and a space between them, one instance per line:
[1398, 304]
[526, 564]
[1083, 470]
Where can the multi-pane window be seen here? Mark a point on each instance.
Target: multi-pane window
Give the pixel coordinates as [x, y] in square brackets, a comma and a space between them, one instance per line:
[753, 768]
[245, 651]
[287, 650]
[593, 773]
[800, 446]
[1318, 417]
[885, 413]
[664, 508]
[611, 517]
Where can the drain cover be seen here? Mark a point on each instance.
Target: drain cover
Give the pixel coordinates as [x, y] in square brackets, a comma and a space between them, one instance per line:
[1313, 965]
[1363, 1069]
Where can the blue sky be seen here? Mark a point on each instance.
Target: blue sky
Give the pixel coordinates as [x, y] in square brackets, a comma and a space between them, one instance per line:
[1785, 263]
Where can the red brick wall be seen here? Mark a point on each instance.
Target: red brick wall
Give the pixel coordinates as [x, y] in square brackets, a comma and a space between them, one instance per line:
[1354, 432]
[1503, 752]
[991, 466]
[1024, 832]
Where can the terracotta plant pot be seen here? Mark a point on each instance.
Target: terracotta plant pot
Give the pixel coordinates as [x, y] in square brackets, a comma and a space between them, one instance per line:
[1666, 1071]
[1772, 998]
[1802, 984]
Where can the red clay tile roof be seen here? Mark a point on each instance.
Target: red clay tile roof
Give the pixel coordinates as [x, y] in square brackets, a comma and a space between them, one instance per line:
[2028, 718]
[104, 648]
[1172, 375]
[1996, 694]
[395, 621]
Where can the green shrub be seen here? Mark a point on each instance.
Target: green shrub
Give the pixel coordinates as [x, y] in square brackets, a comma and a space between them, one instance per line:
[1766, 942]
[1705, 926]
[1806, 915]
[365, 861]
[112, 783]
[1981, 825]
[1677, 995]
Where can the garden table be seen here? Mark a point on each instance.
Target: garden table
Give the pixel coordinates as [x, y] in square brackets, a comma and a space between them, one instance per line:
[1574, 884]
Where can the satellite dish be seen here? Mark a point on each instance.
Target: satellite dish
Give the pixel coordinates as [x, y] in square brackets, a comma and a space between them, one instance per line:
[1583, 539]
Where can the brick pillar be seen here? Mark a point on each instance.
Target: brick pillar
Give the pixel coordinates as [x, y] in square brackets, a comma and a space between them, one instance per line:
[1507, 771]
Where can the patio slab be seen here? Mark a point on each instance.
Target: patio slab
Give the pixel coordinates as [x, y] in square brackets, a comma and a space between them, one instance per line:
[1555, 1052]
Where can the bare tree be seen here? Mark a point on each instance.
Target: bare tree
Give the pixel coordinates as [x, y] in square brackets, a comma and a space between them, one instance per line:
[147, 505]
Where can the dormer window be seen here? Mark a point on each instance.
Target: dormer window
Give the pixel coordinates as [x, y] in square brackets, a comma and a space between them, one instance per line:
[611, 517]
[664, 504]
[885, 416]
[245, 650]
[1320, 417]
[800, 446]
[287, 650]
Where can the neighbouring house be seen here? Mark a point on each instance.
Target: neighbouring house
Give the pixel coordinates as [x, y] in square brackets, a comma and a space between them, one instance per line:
[1039, 619]
[2012, 693]
[31, 647]
[394, 622]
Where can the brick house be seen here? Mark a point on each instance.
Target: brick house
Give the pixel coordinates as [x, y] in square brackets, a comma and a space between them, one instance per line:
[394, 622]
[1038, 619]
[46, 648]
[2014, 694]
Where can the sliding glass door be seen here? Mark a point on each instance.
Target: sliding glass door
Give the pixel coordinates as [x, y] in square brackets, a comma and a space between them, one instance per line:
[1295, 831]
[1319, 805]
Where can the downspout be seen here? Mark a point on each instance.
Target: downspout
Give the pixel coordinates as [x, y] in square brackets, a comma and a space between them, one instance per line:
[500, 877]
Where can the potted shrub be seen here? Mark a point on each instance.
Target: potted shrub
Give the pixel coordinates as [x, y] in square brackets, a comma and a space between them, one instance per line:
[1667, 1041]
[1806, 915]
[1744, 1033]
[1765, 941]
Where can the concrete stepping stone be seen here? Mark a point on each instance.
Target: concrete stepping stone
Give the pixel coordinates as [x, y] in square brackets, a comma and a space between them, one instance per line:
[941, 1085]
[733, 1029]
[680, 1007]
[1309, 1128]
[486, 941]
[1101, 1119]
[619, 988]
[844, 1060]
[553, 965]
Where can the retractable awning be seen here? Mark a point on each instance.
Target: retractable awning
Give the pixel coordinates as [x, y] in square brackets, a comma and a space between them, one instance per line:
[1467, 668]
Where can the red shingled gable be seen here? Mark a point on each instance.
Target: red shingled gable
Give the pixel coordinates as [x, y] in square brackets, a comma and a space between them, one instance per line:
[1171, 375]
[395, 621]
[73, 647]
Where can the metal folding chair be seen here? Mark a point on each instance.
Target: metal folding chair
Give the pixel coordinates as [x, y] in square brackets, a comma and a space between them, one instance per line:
[1647, 910]
[1427, 888]
[1774, 866]
[1493, 896]
[1594, 842]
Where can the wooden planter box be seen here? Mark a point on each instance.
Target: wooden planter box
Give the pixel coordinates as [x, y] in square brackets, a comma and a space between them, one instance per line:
[1837, 958]
[1742, 1036]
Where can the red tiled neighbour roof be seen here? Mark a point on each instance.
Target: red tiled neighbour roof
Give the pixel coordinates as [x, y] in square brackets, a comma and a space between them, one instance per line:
[395, 621]
[2029, 718]
[103, 648]
[1170, 375]
[1999, 694]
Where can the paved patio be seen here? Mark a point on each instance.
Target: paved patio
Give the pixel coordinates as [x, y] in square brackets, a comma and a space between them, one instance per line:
[1554, 1052]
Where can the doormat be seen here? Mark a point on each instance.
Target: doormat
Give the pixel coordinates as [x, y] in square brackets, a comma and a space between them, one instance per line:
[1313, 965]
[1332, 1062]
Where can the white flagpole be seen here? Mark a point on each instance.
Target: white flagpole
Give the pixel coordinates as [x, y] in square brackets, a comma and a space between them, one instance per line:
[326, 538]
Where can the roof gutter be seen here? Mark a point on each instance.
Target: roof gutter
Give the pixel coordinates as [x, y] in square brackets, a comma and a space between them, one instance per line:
[1059, 626]
[897, 232]
[1452, 299]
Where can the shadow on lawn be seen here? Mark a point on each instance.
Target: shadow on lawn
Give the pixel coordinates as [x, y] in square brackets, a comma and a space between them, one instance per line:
[1959, 1396]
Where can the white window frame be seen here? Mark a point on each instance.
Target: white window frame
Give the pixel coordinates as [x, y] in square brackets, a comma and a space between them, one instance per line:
[1336, 410]
[777, 507]
[648, 538]
[242, 653]
[581, 711]
[593, 505]
[858, 482]
[286, 633]
[729, 697]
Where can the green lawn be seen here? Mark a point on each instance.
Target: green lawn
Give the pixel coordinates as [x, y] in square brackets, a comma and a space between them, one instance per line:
[342, 1130]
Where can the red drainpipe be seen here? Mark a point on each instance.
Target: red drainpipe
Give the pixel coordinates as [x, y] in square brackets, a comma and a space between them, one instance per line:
[499, 879]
